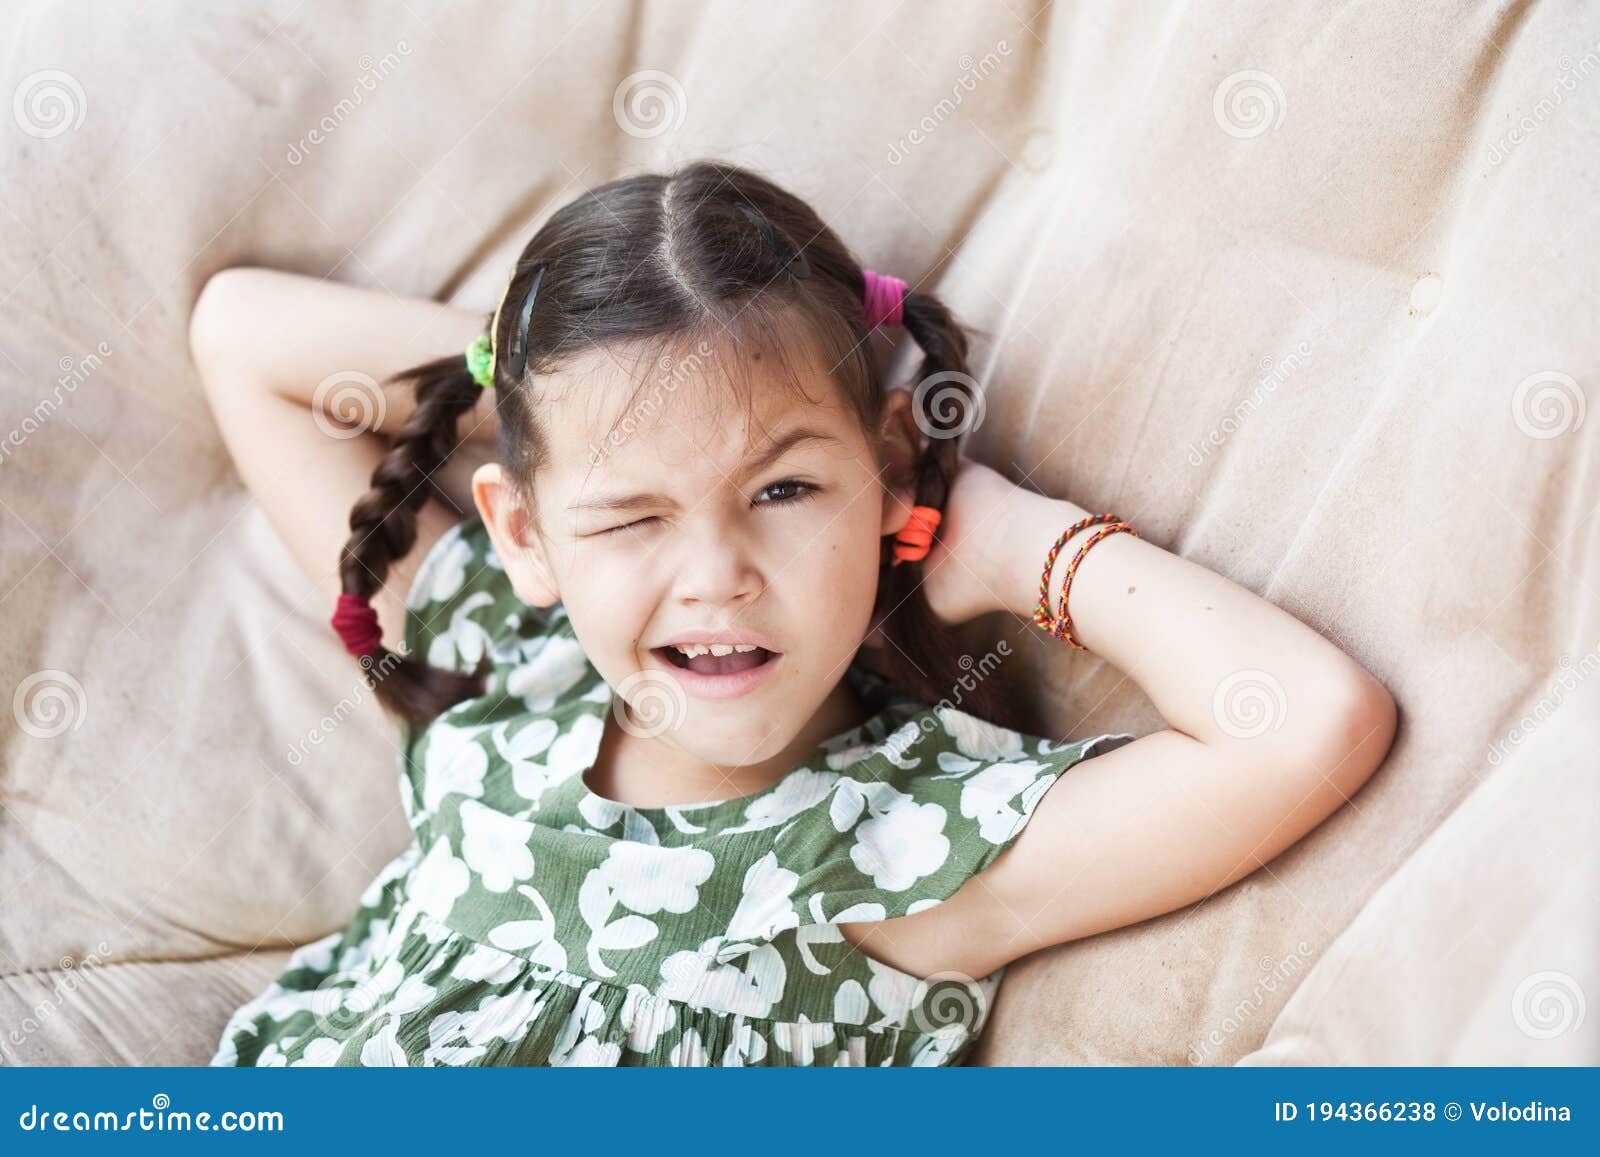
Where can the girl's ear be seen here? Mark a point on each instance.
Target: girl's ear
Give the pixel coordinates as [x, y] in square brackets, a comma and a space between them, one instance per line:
[516, 542]
[899, 447]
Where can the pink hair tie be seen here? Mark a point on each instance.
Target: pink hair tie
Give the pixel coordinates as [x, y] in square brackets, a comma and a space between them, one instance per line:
[357, 624]
[883, 297]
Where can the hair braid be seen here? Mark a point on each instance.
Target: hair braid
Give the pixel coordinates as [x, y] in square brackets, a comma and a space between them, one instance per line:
[383, 528]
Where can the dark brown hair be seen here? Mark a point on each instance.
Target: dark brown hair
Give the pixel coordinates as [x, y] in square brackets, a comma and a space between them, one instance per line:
[710, 255]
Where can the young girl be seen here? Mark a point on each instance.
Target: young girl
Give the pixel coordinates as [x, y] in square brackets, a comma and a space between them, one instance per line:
[695, 772]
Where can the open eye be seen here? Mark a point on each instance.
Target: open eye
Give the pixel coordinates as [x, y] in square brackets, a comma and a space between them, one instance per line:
[805, 490]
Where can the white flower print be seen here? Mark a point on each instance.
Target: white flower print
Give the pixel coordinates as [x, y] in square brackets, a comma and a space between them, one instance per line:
[850, 1004]
[319, 1053]
[978, 738]
[487, 964]
[452, 763]
[752, 988]
[646, 1017]
[574, 750]
[591, 1053]
[643, 879]
[902, 845]
[459, 1038]
[892, 991]
[748, 1047]
[383, 1049]
[800, 1038]
[554, 669]
[799, 790]
[587, 1017]
[652, 879]
[987, 796]
[539, 935]
[439, 881]
[690, 1051]
[529, 777]
[495, 846]
[766, 907]
[461, 645]
[444, 570]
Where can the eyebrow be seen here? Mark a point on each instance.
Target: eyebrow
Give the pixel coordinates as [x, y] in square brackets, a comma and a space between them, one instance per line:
[773, 451]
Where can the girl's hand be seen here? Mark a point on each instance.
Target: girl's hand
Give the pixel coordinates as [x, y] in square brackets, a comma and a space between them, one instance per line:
[966, 572]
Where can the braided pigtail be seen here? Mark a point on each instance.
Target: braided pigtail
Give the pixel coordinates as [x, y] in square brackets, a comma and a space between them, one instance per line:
[383, 528]
[922, 651]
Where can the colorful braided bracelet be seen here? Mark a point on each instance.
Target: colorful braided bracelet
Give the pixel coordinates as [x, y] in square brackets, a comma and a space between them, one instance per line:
[1059, 626]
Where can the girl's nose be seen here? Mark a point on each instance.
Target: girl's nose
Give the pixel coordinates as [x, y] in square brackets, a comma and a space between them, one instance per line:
[717, 568]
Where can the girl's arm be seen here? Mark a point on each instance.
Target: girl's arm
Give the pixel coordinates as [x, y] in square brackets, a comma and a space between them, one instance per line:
[283, 358]
[1270, 728]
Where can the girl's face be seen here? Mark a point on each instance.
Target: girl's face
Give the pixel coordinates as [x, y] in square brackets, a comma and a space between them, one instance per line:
[685, 517]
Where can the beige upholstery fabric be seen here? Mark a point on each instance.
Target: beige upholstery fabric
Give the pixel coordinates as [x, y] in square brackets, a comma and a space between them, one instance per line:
[1308, 294]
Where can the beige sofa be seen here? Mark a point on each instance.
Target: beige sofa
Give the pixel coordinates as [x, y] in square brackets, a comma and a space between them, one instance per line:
[1308, 293]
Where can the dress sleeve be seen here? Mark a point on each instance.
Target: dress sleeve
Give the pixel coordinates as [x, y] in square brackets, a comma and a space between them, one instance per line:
[461, 605]
[908, 840]
[998, 800]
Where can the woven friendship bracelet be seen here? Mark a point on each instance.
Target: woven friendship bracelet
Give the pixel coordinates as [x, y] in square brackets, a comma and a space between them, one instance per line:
[1059, 626]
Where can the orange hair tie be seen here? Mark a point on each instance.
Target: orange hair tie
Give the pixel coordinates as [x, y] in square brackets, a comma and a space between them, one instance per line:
[916, 536]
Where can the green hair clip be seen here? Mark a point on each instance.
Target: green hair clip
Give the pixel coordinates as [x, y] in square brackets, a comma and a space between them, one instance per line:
[480, 361]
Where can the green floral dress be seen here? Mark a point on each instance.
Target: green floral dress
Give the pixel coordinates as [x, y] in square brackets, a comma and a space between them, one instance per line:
[532, 922]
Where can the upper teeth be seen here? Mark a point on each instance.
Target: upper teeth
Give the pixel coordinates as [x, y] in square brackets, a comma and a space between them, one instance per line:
[693, 649]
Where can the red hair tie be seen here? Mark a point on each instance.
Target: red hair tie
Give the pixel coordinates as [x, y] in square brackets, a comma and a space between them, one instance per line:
[916, 536]
[357, 624]
[883, 298]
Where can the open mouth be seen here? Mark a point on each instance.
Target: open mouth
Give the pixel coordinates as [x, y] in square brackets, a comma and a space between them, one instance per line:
[705, 663]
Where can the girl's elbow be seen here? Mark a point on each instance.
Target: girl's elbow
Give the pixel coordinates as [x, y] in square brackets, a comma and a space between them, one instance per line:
[1362, 720]
[214, 319]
